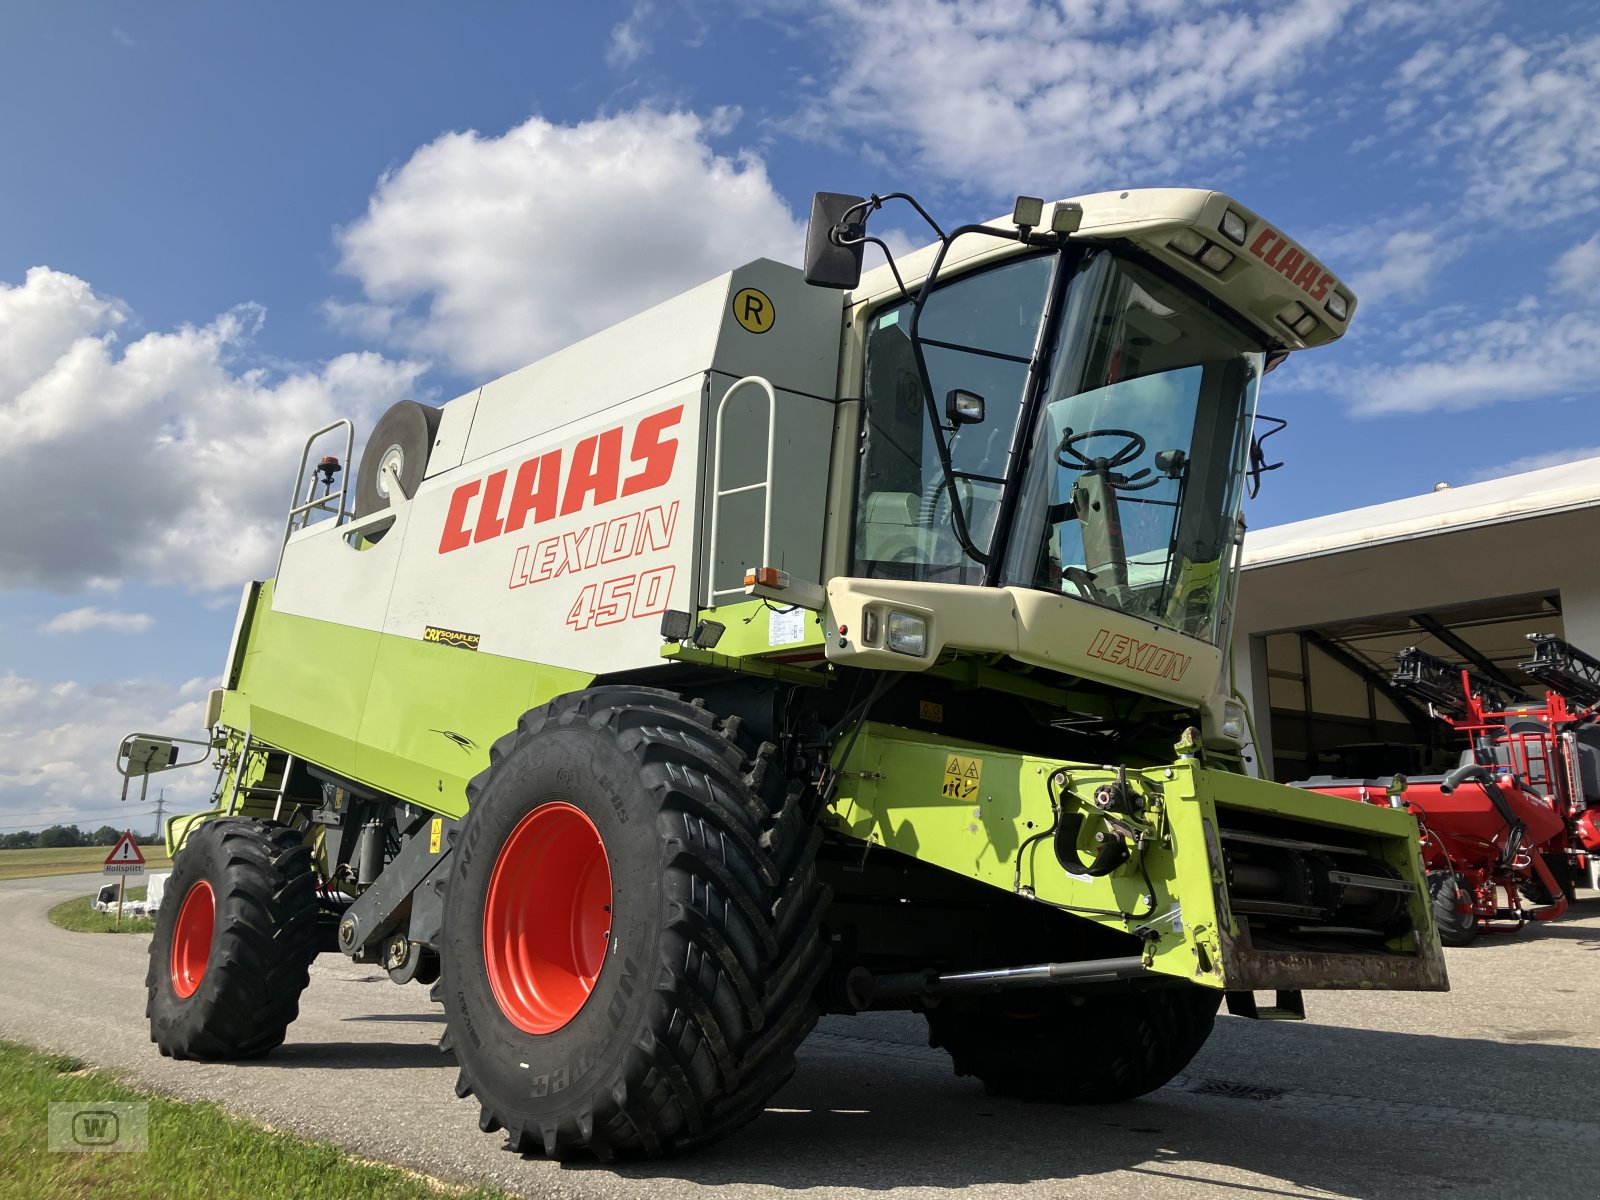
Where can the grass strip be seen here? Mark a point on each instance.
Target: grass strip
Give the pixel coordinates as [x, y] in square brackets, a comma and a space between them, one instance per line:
[75, 916]
[197, 1151]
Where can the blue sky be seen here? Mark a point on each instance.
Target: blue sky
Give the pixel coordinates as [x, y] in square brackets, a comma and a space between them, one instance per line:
[221, 224]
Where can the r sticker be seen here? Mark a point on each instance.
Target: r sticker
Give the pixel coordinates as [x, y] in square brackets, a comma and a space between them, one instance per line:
[451, 637]
[962, 776]
[754, 310]
[436, 835]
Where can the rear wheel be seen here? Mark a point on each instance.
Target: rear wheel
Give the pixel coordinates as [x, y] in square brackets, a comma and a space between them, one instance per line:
[1076, 1048]
[234, 941]
[1449, 895]
[631, 931]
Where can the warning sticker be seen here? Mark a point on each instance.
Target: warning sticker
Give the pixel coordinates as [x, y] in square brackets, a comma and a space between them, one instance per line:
[436, 835]
[962, 777]
[786, 626]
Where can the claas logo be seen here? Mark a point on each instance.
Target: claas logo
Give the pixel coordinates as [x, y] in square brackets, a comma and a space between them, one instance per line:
[550, 485]
[1283, 256]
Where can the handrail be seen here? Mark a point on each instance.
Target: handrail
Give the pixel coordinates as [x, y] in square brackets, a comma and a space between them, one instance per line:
[314, 503]
[717, 491]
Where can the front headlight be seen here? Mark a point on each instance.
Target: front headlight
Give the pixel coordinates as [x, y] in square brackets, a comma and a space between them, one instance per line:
[1234, 725]
[908, 634]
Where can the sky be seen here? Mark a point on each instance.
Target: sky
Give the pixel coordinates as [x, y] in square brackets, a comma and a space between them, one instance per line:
[222, 226]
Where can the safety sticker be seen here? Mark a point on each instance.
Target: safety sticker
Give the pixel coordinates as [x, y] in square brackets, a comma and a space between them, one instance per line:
[962, 777]
[753, 310]
[786, 626]
[436, 835]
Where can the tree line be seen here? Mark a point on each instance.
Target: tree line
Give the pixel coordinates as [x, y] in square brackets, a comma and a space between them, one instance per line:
[58, 836]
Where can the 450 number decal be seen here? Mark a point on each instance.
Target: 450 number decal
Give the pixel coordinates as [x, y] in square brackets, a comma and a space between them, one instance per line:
[621, 599]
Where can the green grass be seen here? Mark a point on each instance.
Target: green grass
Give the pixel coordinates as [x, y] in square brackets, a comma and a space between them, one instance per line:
[70, 860]
[75, 916]
[197, 1151]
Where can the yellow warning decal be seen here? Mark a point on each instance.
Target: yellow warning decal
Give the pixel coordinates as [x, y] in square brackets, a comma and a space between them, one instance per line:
[436, 835]
[962, 777]
[754, 310]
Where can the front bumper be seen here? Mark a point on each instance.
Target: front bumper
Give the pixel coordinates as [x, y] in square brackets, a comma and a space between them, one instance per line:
[1233, 883]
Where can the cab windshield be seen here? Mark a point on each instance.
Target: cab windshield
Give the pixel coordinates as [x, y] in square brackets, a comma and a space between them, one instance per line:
[1133, 451]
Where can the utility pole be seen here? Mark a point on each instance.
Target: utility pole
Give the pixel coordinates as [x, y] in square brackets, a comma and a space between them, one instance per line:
[161, 812]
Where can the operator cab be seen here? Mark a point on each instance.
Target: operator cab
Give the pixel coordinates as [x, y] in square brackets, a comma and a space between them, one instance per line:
[1126, 395]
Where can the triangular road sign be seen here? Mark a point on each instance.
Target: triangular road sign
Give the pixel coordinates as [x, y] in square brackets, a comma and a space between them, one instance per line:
[125, 853]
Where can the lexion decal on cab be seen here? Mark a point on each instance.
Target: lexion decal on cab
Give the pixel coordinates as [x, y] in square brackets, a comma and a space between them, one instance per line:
[543, 489]
[1282, 255]
[1120, 650]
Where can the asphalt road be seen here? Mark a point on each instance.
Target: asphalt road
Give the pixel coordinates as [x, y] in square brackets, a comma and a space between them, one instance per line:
[1488, 1089]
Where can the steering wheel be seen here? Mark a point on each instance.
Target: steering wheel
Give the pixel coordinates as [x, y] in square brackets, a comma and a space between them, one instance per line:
[1068, 454]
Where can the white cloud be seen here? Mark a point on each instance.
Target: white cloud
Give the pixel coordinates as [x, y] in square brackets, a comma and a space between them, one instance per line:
[167, 459]
[1522, 356]
[1529, 351]
[1404, 266]
[629, 43]
[489, 252]
[82, 620]
[1517, 120]
[1537, 462]
[58, 741]
[1070, 95]
[1577, 270]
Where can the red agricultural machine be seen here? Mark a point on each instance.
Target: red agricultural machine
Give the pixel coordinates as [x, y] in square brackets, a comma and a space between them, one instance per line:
[1518, 816]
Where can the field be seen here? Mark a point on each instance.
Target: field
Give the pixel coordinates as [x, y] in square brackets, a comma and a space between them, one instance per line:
[70, 860]
[195, 1150]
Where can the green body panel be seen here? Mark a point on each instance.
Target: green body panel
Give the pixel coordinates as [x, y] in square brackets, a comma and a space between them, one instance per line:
[970, 808]
[406, 717]
[415, 720]
[748, 625]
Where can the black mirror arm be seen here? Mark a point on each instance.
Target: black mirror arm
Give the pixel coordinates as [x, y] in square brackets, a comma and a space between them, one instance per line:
[867, 239]
[958, 519]
[1259, 465]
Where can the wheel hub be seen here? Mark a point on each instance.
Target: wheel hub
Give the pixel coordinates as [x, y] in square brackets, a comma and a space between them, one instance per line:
[191, 939]
[547, 918]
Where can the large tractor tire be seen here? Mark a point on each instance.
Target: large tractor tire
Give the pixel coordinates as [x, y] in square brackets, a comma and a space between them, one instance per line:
[1445, 892]
[631, 930]
[234, 941]
[1084, 1048]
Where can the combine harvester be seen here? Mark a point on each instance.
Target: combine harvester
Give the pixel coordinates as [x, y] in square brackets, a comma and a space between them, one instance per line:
[1526, 827]
[809, 643]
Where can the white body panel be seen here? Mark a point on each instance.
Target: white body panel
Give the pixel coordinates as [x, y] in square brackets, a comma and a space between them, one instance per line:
[584, 588]
[565, 505]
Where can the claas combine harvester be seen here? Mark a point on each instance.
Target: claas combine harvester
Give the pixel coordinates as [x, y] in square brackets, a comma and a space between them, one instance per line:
[1516, 820]
[812, 642]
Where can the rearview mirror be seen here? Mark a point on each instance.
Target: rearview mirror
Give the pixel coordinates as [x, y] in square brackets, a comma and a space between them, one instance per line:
[963, 407]
[141, 755]
[147, 755]
[827, 263]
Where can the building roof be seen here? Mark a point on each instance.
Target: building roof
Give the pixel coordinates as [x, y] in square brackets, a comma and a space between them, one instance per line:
[1539, 493]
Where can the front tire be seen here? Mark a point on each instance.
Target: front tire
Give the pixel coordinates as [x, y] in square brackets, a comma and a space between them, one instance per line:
[234, 942]
[631, 932]
[1446, 892]
[1076, 1048]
